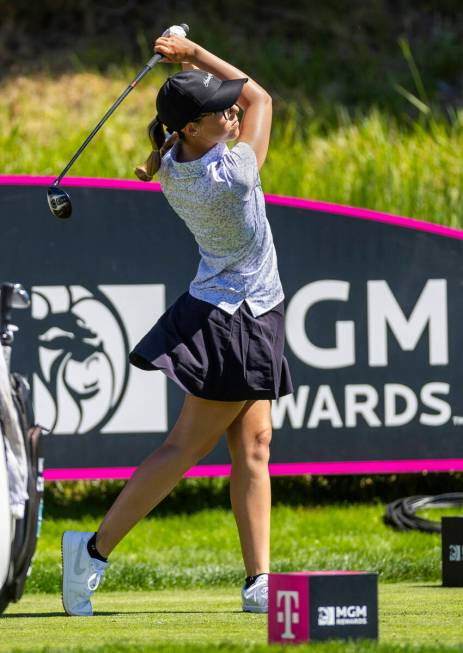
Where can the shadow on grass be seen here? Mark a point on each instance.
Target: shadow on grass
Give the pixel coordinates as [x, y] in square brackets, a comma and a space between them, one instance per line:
[109, 613]
[434, 586]
[100, 613]
[33, 615]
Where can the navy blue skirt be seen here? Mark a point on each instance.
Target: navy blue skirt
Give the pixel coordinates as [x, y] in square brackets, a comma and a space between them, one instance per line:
[214, 355]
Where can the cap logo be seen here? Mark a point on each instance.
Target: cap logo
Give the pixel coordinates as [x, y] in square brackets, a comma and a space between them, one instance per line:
[207, 79]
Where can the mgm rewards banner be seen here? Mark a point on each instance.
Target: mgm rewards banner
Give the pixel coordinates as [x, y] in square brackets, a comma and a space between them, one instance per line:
[374, 310]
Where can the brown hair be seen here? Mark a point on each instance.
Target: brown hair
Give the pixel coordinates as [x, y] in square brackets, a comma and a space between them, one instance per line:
[157, 134]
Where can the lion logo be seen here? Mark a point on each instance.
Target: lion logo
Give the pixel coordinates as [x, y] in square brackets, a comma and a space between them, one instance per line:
[81, 360]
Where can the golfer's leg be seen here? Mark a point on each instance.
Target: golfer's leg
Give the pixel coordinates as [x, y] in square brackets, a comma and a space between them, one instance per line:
[248, 441]
[197, 430]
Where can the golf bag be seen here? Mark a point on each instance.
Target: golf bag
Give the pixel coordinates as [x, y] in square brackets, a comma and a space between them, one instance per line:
[21, 464]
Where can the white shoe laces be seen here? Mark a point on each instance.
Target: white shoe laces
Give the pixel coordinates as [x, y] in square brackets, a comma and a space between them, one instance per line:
[258, 590]
[98, 568]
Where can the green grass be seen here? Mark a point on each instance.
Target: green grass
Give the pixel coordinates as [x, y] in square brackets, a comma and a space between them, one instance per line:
[192, 566]
[371, 159]
[374, 162]
[413, 618]
[202, 549]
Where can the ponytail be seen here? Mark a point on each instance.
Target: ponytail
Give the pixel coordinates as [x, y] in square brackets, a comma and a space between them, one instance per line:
[160, 145]
[156, 134]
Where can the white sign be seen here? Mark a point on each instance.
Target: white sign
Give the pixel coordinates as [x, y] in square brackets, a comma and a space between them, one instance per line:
[82, 379]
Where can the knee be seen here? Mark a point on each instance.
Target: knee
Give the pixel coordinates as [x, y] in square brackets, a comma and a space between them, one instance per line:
[257, 448]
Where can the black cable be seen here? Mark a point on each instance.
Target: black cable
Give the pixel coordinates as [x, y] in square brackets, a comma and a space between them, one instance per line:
[401, 513]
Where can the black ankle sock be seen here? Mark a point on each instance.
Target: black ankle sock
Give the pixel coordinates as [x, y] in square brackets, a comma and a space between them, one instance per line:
[250, 580]
[93, 551]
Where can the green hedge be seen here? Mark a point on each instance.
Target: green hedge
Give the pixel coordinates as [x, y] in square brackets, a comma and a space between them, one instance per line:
[72, 499]
[341, 51]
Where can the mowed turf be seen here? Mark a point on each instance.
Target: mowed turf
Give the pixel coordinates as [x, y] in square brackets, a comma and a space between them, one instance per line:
[413, 617]
[192, 567]
[202, 549]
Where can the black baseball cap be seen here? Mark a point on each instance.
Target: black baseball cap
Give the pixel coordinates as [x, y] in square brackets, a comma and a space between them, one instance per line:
[184, 96]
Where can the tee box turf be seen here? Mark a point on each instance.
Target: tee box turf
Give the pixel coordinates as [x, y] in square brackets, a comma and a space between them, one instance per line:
[319, 605]
[452, 551]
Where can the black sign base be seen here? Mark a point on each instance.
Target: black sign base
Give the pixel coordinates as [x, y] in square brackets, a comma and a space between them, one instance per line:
[452, 551]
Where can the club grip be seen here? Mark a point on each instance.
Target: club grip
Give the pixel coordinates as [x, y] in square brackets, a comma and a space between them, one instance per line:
[179, 30]
[154, 60]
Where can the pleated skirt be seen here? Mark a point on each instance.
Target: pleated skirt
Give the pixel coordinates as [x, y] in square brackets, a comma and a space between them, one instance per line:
[214, 355]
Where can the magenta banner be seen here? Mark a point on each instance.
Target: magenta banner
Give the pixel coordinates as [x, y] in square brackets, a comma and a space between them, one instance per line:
[373, 312]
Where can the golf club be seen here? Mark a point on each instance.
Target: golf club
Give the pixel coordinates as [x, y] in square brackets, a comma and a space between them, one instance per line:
[58, 200]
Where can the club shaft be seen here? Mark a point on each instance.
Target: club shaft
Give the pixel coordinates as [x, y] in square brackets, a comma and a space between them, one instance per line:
[147, 67]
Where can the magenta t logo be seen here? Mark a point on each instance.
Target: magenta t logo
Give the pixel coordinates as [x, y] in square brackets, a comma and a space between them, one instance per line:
[288, 608]
[288, 616]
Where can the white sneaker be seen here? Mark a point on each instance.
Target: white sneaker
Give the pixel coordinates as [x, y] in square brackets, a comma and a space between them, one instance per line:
[81, 573]
[255, 597]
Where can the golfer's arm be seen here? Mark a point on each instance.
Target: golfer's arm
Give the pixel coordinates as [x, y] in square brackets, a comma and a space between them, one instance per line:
[255, 128]
[223, 70]
[254, 100]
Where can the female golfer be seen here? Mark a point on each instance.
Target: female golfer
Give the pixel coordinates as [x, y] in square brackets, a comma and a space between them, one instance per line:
[221, 342]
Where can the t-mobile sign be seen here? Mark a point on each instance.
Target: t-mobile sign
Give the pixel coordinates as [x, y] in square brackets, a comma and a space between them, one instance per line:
[322, 605]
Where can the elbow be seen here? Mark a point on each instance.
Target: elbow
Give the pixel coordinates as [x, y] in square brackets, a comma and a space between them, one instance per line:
[267, 98]
[254, 94]
[264, 101]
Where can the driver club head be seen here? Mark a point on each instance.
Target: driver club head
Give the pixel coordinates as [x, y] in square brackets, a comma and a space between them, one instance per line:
[59, 202]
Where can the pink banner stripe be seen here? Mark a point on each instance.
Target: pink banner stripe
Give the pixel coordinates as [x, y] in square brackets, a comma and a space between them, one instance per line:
[281, 200]
[84, 182]
[276, 469]
[368, 467]
[365, 214]
[326, 572]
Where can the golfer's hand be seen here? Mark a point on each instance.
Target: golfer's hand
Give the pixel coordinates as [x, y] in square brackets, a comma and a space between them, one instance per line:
[175, 49]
